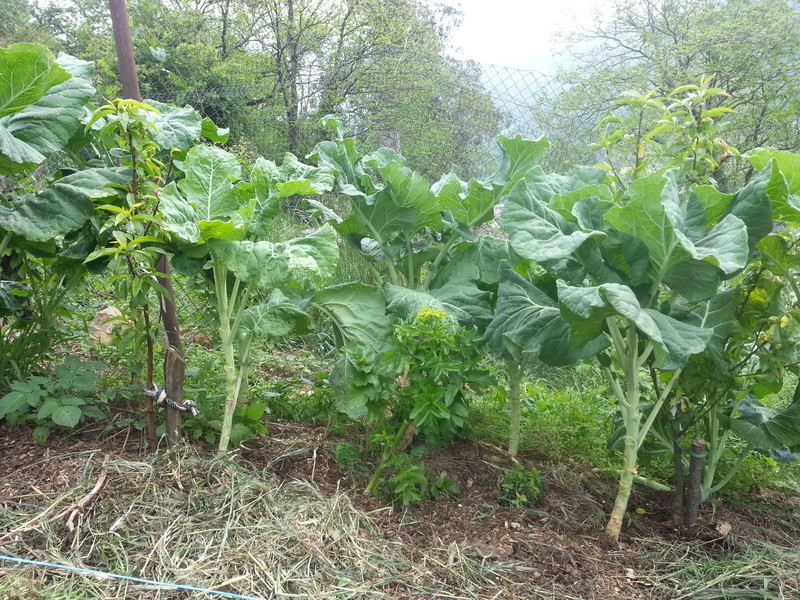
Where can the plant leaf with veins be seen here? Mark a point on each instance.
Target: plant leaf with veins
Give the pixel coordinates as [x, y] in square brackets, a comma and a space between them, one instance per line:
[35, 131]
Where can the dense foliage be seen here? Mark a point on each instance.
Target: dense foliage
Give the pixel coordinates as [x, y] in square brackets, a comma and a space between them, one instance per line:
[269, 71]
[748, 45]
[644, 263]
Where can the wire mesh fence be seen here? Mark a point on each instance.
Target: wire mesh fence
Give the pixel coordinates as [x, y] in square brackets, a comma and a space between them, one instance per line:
[259, 128]
[447, 111]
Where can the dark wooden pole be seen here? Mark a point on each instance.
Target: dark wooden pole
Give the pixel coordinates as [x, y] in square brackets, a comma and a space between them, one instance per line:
[174, 365]
[694, 483]
[124, 44]
[679, 495]
[174, 371]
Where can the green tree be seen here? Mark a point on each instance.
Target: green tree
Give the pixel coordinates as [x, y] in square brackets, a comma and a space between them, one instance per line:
[750, 45]
[23, 21]
[271, 70]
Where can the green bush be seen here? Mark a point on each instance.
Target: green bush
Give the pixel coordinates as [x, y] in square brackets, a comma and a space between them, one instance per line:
[65, 399]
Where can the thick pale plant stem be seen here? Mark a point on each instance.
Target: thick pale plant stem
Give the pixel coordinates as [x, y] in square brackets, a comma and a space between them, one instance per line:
[514, 406]
[410, 283]
[227, 340]
[244, 361]
[631, 414]
[724, 481]
[4, 243]
[716, 446]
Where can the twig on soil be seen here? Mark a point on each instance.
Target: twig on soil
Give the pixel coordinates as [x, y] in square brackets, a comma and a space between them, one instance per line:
[75, 510]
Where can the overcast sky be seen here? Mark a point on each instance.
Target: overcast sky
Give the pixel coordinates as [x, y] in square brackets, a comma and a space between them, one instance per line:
[517, 33]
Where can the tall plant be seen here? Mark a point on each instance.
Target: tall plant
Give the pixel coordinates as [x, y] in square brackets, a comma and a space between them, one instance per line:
[754, 337]
[621, 254]
[42, 211]
[420, 240]
[753, 350]
[616, 269]
[215, 216]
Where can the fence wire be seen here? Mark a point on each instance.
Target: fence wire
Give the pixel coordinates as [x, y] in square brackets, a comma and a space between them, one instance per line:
[469, 102]
[514, 95]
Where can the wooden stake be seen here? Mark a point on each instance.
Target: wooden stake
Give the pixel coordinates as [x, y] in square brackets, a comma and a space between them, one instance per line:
[174, 370]
[694, 484]
[124, 45]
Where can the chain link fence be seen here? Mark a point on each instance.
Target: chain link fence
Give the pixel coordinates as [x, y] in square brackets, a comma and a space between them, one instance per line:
[459, 108]
[258, 129]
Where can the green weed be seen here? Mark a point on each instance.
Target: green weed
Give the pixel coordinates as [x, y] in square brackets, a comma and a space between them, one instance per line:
[522, 487]
[66, 398]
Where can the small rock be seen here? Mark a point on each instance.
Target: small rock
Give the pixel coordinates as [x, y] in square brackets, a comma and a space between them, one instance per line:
[724, 527]
[100, 329]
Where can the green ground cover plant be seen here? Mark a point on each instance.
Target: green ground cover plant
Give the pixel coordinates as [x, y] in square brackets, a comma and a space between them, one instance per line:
[66, 399]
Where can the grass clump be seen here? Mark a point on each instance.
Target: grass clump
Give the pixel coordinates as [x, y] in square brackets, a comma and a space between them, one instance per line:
[751, 570]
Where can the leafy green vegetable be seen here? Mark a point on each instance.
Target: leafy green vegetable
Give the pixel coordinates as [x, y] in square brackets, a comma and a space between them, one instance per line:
[41, 104]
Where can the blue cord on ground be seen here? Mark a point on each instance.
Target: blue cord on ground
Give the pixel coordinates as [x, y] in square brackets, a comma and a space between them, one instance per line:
[82, 571]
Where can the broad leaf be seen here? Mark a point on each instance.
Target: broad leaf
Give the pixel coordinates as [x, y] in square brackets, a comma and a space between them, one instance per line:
[565, 204]
[725, 246]
[679, 340]
[776, 256]
[267, 264]
[208, 185]
[343, 159]
[471, 204]
[405, 188]
[64, 206]
[294, 177]
[711, 204]
[210, 131]
[267, 203]
[477, 261]
[788, 163]
[27, 71]
[470, 299]
[178, 215]
[719, 315]
[518, 157]
[10, 301]
[590, 212]
[535, 231]
[66, 416]
[753, 203]
[358, 314]
[695, 280]
[176, 128]
[587, 308]
[357, 381]
[220, 230]
[674, 234]
[646, 217]
[767, 428]
[380, 220]
[527, 321]
[277, 317]
[46, 126]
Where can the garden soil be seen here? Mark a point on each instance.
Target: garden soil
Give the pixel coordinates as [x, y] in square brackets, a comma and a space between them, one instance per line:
[465, 546]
